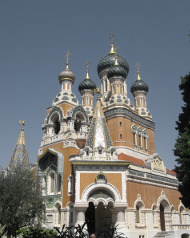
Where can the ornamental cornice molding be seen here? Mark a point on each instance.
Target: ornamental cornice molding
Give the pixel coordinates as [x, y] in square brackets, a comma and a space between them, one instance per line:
[117, 112]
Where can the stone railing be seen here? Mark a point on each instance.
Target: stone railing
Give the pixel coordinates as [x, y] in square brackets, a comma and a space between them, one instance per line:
[181, 226]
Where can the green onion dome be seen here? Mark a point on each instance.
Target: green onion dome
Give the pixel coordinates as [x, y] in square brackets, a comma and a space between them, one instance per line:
[116, 70]
[139, 85]
[109, 60]
[87, 83]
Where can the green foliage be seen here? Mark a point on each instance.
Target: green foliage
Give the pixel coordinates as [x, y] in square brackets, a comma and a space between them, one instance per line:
[21, 203]
[182, 146]
[2, 231]
[40, 232]
[111, 231]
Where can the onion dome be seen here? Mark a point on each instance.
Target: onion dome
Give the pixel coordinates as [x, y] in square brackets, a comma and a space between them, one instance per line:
[116, 70]
[109, 60]
[139, 85]
[87, 83]
[66, 74]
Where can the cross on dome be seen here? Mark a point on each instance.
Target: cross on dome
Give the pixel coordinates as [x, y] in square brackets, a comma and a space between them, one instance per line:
[137, 65]
[67, 56]
[87, 76]
[111, 37]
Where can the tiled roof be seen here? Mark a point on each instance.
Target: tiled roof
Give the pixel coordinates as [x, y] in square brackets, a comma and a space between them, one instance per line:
[131, 159]
[170, 171]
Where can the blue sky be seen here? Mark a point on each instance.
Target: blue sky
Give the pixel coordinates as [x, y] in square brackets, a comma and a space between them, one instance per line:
[36, 35]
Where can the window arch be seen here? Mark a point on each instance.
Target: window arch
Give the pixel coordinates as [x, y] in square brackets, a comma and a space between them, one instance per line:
[55, 121]
[182, 215]
[44, 184]
[51, 182]
[139, 216]
[58, 183]
[134, 132]
[154, 214]
[57, 214]
[70, 185]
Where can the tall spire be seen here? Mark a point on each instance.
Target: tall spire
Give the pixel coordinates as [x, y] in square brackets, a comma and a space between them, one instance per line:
[98, 135]
[20, 154]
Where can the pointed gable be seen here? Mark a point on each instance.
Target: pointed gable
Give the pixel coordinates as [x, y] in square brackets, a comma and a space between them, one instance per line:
[20, 154]
[98, 133]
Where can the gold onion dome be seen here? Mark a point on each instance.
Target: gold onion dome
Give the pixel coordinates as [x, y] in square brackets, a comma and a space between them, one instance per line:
[66, 74]
[139, 85]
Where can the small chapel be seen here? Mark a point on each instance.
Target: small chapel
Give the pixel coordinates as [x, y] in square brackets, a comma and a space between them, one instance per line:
[99, 165]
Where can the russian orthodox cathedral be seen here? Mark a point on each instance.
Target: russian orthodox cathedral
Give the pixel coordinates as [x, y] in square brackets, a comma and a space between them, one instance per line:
[98, 164]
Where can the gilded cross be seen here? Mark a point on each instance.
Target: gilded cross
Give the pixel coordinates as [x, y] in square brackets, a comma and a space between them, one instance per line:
[87, 64]
[111, 37]
[138, 64]
[67, 56]
[116, 50]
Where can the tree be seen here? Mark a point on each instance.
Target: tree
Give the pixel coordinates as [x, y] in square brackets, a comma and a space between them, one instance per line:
[182, 146]
[21, 203]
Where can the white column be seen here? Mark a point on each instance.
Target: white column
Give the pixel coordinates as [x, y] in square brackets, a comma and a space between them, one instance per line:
[80, 216]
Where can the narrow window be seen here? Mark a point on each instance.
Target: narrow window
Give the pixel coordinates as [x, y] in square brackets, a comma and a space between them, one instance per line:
[134, 140]
[139, 140]
[137, 214]
[145, 143]
[120, 123]
[71, 218]
[137, 103]
[113, 89]
[91, 102]
[83, 101]
[52, 183]
[59, 183]
[120, 136]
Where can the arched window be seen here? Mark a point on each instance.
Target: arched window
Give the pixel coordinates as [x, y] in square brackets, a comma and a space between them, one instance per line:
[52, 182]
[58, 214]
[44, 188]
[139, 215]
[181, 215]
[162, 218]
[70, 185]
[154, 214]
[55, 120]
[59, 183]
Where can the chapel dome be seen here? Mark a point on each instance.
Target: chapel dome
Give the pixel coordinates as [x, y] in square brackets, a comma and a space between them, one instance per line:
[109, 60]
[87, 83]
[139, 85]
[66, 75]
[116, 70]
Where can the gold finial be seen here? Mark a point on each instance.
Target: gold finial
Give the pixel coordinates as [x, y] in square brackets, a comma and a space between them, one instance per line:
[138, 76]
[97, 91]
[22, 122]
[116, 63]
[67, 56]
[87, 76]
[112, 48]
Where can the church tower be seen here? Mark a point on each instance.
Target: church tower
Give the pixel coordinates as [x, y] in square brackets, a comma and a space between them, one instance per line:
[135, 128]
[86, 89]
[20, 154]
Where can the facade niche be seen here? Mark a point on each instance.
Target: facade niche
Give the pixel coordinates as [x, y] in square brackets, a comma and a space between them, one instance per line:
[55, 120]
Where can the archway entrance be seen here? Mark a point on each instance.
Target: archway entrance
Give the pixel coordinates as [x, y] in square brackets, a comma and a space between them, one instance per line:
[162, 218]
[90, 218]
[103, 217]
